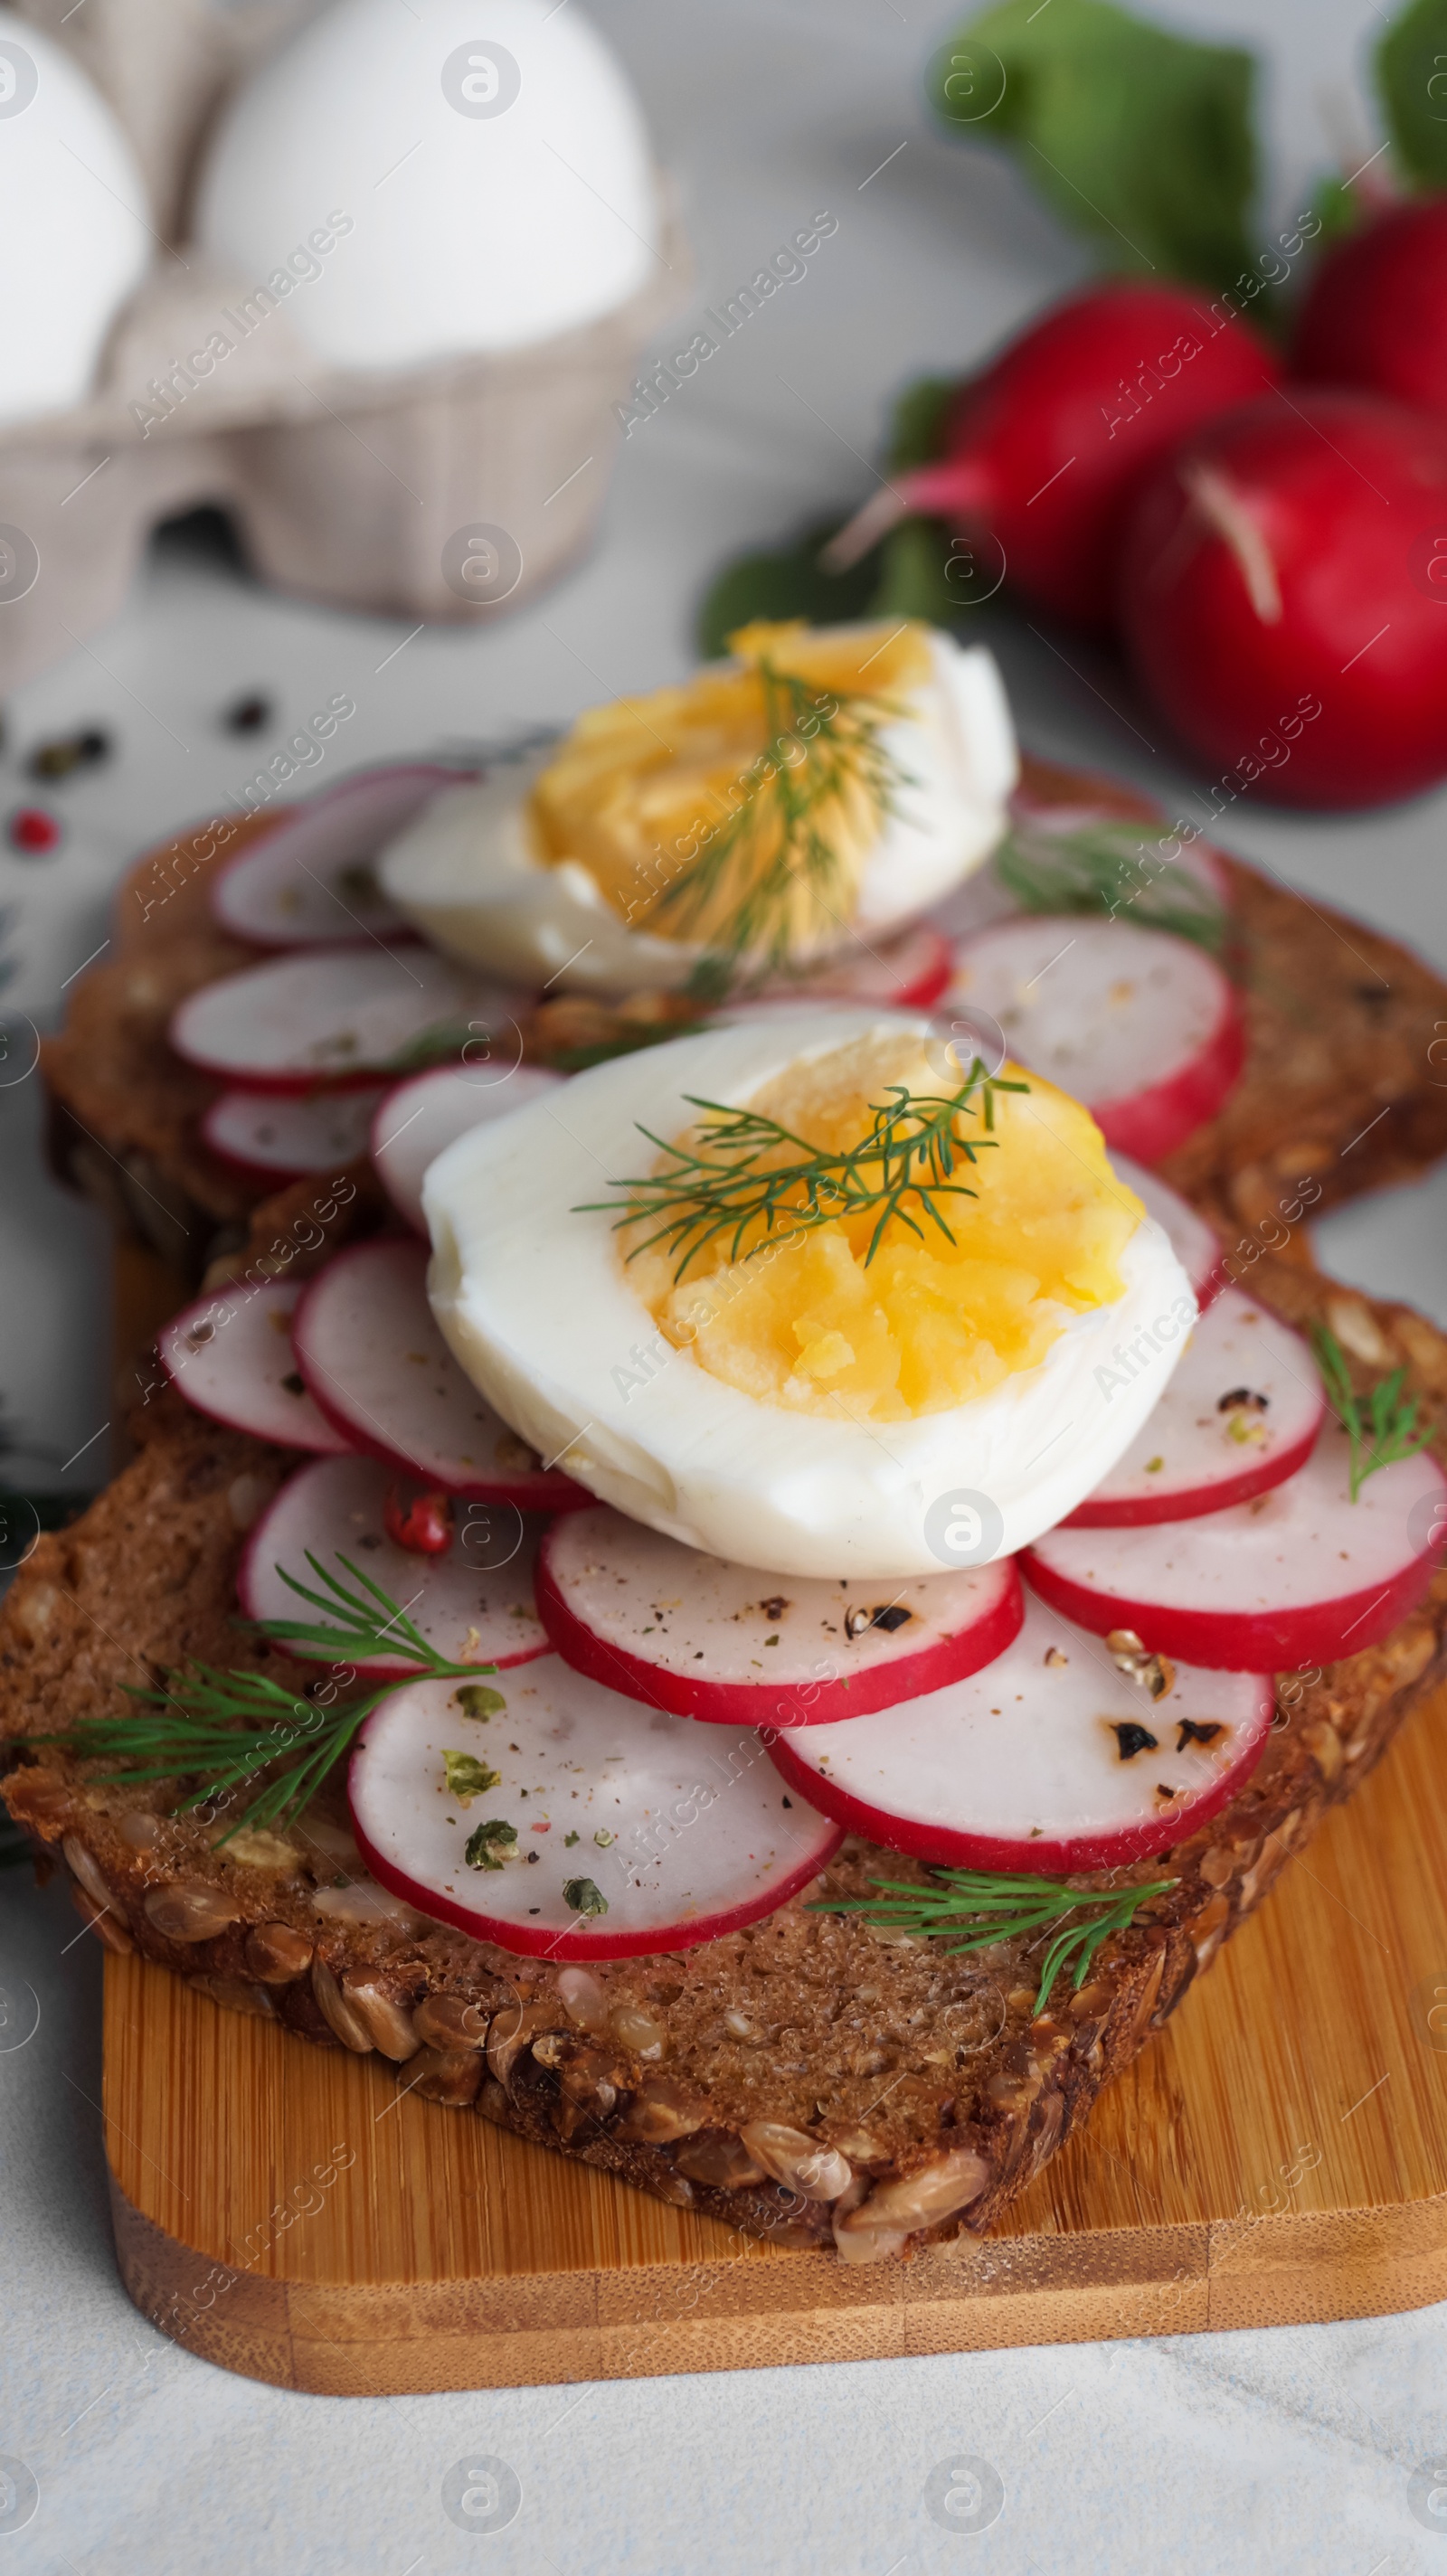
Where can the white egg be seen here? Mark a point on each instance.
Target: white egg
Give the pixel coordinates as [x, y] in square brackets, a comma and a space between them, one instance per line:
[542, 1314]
[75, 237]
[425, 182]
[468, 874]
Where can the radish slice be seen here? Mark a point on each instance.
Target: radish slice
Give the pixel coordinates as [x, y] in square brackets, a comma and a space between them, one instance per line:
[1051, 1759]
[1240, 1414]
[339, 1016]
[309, 881]
[475, 1604]
[722, 1642]
[231, 1357]
[680, 1837]
[905, 974]
[416, 1121]
[1141, 1027]
[281, 1139]
[1192, 1240]
[379, 1369]
[1302, 1575]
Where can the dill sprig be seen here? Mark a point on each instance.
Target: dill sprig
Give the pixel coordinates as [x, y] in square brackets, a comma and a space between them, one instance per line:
[1101, 869]
[975, 1908]
[734, 1181]
[1389, 1430]
[786, 834]
[221, 1728]
[371, 1622]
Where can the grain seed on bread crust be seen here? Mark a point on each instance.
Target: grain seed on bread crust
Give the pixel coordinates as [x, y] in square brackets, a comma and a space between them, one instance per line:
[809, 2076]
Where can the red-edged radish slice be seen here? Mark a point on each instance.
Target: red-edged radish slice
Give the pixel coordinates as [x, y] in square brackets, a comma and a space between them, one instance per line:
[281, 1139]
[475, 1604]
[309, 882]
[904, 974]
[1240, 1414]
[230, 1355]
[1302, 1575]
[682, 1836]
[416, 1121]
[340, 1017]
[723, 1642]
[369, 1350]
[1194, 1243]
[1143, 1028]
[1050, 1760]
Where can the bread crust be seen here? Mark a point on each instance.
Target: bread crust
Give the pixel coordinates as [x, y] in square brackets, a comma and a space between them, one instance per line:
[932, 2075]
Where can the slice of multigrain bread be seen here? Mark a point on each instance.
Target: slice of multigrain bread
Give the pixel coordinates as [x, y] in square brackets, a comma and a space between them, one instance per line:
[736, 2075]
[1341, 1091]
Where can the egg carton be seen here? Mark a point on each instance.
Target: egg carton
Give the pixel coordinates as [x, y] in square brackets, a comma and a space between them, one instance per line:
[452, 490]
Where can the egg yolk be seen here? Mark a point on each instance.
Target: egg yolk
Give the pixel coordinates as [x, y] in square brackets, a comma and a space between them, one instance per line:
[806, 1319]
[738, 811]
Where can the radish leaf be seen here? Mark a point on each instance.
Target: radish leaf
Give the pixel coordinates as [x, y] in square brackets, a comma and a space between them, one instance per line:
[1411, 69]
[916, 571]
[787, 581]
[1138, 138]
[917, 432]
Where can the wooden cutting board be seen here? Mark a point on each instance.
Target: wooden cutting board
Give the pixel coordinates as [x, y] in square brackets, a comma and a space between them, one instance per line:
[1278, 2154]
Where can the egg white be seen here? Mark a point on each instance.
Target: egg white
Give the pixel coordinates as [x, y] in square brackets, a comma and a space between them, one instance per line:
[75, 229]
[506, 229]
[541, 1313]
[466, 875]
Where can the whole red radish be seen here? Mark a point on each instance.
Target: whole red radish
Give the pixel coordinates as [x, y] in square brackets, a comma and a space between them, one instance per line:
[1046, 447]
[1375, 313]
[1279, 602]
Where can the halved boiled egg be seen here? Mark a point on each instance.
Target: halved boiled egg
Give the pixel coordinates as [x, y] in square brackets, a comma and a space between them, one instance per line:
[811, 794]
[955, 1323]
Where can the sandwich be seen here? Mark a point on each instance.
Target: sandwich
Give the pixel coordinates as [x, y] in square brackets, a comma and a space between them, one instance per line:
[756, 1608]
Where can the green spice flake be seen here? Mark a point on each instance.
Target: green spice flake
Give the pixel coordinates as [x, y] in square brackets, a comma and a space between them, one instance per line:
[570, 1839]
[476, 1700]
[467, 1778]
[490, 1843]
[584, 1897]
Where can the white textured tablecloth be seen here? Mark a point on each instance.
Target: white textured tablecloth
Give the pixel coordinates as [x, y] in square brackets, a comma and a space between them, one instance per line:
[1223, 2455]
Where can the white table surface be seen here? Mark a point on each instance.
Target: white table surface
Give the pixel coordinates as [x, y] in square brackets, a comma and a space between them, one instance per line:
[1220, 2455]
